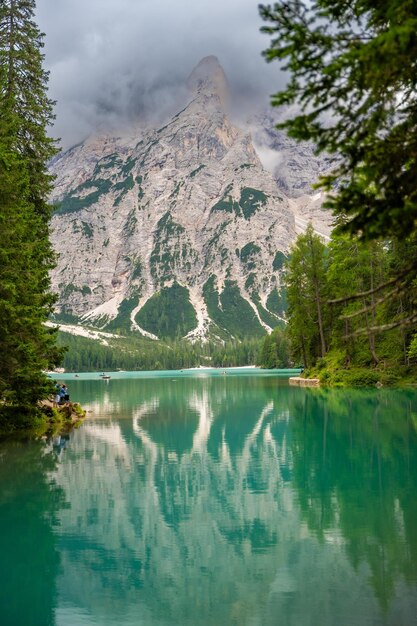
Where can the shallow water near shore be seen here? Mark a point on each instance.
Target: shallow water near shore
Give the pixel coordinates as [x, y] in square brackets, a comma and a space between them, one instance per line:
[204, 498]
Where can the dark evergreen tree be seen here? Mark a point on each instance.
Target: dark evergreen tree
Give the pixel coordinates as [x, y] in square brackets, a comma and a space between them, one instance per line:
[352, 79]
[26, 346]
[275, 352]
[359, 267]
[24, 96]
[353, 324]
[352, 74]
[307, 294]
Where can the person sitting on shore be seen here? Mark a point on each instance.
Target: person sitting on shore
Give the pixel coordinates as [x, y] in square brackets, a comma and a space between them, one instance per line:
[66, 396]
[57, 396]
[62, 394]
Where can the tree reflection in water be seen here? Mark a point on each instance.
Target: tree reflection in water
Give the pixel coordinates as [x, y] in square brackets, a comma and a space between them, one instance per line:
[219, 502]
[355, 471]
[29, 561]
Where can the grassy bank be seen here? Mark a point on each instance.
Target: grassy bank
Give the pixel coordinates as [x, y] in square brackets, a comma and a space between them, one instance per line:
[332, 374]
[44, 419]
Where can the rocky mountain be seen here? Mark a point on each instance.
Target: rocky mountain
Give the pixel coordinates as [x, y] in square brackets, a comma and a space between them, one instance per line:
[179, 230]
[295, 167]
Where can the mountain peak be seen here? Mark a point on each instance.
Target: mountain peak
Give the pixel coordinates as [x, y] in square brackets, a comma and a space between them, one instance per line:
[208, 78]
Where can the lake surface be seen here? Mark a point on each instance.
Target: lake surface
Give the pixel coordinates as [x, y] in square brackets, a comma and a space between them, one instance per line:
[211, 499]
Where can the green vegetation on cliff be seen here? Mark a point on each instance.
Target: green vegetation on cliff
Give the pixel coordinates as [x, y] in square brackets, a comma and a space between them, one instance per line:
[230, 311]
[168, 313]
[277, 302]
[248, 255]
[74, 202]
[172, 249]
[122, 322]
[250, 201]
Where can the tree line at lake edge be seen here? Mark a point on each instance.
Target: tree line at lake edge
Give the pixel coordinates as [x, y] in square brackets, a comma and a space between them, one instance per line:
[135, 353]
[352, 77]
[352, 81]
[358, 339]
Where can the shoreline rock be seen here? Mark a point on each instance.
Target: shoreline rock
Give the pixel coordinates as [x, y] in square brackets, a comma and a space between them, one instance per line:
[69, 413]
[304, 382]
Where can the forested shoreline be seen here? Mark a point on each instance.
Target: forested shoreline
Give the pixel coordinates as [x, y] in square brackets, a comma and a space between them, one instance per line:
[352, 316]
[135, 353]
[351, 92]
[350, 303]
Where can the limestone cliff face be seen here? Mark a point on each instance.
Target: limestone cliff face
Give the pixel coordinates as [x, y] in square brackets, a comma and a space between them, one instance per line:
[295, 167]
[181, 222]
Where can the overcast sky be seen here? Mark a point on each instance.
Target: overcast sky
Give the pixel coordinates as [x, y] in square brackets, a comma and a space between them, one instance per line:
[111, 61]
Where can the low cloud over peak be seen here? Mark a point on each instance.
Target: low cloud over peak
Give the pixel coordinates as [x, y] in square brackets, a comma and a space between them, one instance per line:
[113, 62]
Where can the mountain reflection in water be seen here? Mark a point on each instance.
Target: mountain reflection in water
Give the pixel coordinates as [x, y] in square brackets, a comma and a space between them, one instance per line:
[238, 501]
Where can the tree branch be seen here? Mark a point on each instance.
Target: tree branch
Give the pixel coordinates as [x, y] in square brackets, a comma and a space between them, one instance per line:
[366, 309]
[404, 323]
[381, 287]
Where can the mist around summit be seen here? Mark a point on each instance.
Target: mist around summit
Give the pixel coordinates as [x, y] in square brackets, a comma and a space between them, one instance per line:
[122, 62]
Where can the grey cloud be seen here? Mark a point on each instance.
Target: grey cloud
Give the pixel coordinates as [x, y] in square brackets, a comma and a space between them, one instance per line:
[111, 61]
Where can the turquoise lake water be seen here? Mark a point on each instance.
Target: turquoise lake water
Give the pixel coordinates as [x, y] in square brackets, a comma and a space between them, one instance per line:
[204, 498]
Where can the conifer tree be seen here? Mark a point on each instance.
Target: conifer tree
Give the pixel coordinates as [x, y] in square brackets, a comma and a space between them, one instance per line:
[351, 275]
[26, 257]
[359, 267]
[275, 352]
[24, 95]
[307, 292]
[352, 76]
